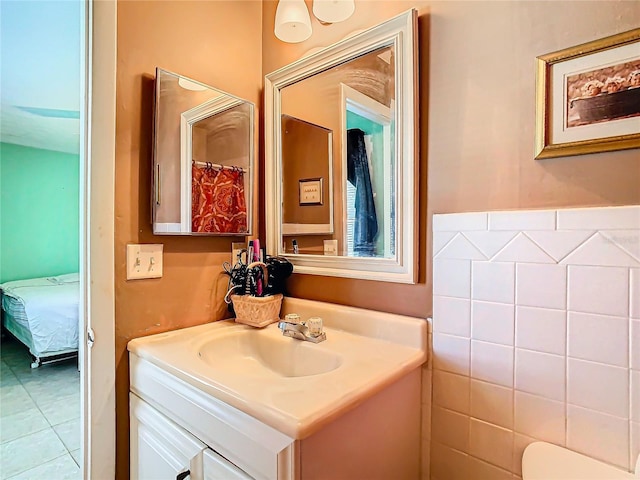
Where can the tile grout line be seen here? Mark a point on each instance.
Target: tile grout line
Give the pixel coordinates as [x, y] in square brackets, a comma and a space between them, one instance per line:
[435, 254]
[26, 434]
[39, 464]
[32, 399]
[36, 404]
[60, 438]
[21, 386]
[630, 379]
[513, 358]
[566, 358]
[42, 430]
[560, 260]
[36, 466]
[513, 376]
[48, 421]
[469, 373]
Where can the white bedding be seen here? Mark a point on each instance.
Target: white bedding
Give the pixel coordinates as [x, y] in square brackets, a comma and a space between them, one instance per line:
[51, 305]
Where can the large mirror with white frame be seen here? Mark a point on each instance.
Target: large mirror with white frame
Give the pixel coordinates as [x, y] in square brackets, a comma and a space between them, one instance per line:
[341, 156]
[203, 159]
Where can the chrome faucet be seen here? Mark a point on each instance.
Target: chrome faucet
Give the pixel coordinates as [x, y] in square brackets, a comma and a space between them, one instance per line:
[300, 331]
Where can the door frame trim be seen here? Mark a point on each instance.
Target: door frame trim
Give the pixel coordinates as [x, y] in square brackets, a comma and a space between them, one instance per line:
[97, 177]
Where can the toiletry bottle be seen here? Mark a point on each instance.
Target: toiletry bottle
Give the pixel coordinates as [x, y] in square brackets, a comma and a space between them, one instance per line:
[256, 258]
[256, 250]
[250, 252]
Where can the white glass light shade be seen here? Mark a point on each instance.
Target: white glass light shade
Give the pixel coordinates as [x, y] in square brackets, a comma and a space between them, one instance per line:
[333, 11]
[190, 85]
[293, 23]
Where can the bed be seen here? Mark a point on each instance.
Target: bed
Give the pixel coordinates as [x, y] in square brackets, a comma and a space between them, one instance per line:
[43, 313]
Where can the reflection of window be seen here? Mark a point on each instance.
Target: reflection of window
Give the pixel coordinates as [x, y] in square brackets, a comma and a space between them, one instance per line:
[351, 216]
[374, 119]
[366, 223]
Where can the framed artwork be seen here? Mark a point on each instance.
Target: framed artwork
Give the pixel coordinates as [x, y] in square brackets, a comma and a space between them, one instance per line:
[310, 191]
[588, 97]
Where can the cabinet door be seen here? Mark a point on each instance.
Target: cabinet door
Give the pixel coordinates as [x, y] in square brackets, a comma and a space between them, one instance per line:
[160, 449]
[216, 467]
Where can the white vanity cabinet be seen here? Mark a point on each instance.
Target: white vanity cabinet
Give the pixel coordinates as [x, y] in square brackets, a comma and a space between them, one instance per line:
[160, 449]
[216, 467]
[176, 427]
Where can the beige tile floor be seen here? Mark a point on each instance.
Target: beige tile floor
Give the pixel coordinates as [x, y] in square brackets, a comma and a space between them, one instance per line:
[39, 417]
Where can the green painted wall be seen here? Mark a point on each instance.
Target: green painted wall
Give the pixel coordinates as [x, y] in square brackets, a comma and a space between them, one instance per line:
[39, 212]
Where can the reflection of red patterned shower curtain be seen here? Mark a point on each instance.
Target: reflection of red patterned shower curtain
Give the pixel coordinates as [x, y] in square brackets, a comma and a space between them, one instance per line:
[217, 200]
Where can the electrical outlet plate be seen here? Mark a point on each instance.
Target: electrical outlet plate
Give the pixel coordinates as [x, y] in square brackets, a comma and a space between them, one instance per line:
[144, 261]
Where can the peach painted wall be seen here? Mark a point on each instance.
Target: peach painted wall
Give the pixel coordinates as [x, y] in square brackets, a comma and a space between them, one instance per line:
[477, 80]
[218, 43]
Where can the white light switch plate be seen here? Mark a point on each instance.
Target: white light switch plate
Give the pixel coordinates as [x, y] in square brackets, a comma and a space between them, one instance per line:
[144, 261]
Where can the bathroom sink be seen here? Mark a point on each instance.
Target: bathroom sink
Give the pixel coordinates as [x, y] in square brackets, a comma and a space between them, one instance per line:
[251, 350]
[291, 385]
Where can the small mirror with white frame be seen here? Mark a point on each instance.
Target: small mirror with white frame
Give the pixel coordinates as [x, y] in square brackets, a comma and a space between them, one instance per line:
[362, 93]
[203, 159]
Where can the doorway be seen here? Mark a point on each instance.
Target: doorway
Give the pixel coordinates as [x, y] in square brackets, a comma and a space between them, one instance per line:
[96, 356]
[40, 239]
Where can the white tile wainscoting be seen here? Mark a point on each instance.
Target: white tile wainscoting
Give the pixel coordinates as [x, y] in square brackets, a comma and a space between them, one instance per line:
[536, 336]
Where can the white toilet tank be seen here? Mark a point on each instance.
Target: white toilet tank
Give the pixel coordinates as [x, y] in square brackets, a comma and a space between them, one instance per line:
[544, 461]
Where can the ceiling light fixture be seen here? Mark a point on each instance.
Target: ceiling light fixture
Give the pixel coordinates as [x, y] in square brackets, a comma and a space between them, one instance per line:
[293, 23]
[191, 85]
[333, 11]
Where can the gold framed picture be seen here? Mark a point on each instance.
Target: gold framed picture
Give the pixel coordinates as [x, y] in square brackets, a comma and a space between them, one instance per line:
[588, 97]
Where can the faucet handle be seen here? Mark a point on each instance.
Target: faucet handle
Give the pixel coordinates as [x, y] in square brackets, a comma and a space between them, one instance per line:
[315, 326]
[292, 318]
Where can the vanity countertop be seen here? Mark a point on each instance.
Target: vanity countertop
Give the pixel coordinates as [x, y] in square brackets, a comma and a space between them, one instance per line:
[294, 386]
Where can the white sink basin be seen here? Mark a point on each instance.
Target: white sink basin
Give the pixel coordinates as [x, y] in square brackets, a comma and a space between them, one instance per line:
[251, 350]
[294, 386]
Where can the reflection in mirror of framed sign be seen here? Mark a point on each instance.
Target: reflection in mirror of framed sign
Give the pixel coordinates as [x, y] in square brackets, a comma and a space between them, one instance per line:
[310, 190]
[359, 95]
[203, 159]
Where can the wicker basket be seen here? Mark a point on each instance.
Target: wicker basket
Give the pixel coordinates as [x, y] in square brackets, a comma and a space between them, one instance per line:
[257, 311]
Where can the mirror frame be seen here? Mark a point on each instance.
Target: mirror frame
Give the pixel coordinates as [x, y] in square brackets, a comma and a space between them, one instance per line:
[401, 33]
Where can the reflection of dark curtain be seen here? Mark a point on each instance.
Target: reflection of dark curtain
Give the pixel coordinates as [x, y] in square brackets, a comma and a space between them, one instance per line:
[366, 223]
